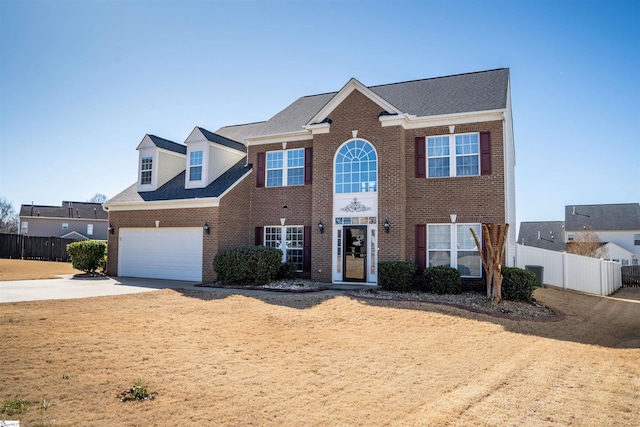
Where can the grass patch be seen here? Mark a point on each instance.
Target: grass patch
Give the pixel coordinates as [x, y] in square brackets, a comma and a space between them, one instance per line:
[14, 406]
[137, 392]
[9, 319]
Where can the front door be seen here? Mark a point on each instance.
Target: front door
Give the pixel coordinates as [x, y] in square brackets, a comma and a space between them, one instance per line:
[355, 253]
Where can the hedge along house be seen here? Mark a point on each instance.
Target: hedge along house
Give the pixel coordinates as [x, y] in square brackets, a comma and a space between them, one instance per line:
[338, 181]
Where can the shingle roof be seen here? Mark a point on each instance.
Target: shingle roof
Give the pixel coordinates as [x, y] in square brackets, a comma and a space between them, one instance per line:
[80, 210]
[295, 116]
[175, 190]
[461, 93]
[551, 235]
[219, 139]
[239, 132]
[168, 145]
[611, 217]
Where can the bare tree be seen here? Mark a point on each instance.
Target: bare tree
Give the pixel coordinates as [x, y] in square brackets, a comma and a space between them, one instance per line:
[8, 218]
[495, 243]
[98, 198]
[587, 243]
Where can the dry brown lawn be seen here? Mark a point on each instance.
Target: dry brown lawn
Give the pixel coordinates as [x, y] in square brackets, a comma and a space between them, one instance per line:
[313, 360]
[17, 269]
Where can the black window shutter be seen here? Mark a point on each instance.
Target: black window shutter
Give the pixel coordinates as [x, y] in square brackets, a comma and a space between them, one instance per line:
[306, 249]
[259, 236]
[421, 162]
[485, 153]
[260, 171]
[421, 246]
[308, 165]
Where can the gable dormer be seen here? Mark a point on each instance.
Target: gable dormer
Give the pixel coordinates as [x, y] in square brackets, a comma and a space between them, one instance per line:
[208, 156]
[159, 161]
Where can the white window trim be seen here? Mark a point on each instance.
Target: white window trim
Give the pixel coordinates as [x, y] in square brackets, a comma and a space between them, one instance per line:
[283, 240]
[453, 249]
[24, 227]
[89, 229]
[452, 156]
[285, 169]
[335, 173]
[200, 165]
[149, 170]
[65, 225]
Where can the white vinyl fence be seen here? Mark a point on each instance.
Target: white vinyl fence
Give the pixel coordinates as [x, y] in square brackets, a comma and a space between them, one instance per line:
[579, 273]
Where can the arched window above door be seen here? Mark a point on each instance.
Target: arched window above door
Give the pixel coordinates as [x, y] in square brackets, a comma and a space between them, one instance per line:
[356, 168]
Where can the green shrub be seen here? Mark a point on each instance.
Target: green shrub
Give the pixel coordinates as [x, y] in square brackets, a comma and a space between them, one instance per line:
[442, 280]
[287, 270]
[87, 255]
[248, 264]
[518, 284]
[396, 275]
[137, 392]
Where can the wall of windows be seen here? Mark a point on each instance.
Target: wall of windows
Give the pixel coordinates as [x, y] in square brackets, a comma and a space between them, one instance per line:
[453, 245]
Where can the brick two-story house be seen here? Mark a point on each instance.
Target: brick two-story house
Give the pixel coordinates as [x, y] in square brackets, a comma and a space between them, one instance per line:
[339, 181]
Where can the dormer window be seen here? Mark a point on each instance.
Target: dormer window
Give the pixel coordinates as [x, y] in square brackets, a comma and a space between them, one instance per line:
[145, 170]
[195, 166]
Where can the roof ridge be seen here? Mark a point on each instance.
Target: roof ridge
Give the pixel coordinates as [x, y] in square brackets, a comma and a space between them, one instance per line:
[241, 124]
[164, 139]
[411, 81]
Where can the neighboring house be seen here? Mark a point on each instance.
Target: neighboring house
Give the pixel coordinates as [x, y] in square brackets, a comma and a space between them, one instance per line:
[615, 224]
[71, 220]
[338, 181]
[543, 234]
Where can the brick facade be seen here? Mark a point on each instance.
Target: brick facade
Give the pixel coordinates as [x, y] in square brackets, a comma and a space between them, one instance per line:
[404, 200]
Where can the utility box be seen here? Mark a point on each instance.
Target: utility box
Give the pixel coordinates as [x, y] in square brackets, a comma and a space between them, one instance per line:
[538, 270]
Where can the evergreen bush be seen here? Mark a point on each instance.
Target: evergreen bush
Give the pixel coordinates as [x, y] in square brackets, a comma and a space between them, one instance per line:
[442, 280]
[396, 275]
[248, 264]
[87, 255]
[518, 284]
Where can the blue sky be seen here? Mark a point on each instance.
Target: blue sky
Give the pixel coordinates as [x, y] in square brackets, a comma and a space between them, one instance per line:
[81, 83]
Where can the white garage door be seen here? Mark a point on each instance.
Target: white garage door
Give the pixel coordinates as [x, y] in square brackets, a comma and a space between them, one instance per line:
[161, 253]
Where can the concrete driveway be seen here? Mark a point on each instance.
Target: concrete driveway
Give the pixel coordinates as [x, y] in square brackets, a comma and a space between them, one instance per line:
[69, 287]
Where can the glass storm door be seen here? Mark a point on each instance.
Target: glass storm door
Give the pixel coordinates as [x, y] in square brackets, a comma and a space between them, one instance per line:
[355, 253]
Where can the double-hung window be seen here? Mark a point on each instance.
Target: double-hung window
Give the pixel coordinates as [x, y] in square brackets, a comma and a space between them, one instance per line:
[285, 168]
[636, 239]
[453, 245]
[145, 170]
[289, 240]
[89, 229]
[453, 155]
[195, 166]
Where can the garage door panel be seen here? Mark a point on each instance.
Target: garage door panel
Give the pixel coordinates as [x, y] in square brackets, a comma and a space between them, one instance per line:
[166, 253]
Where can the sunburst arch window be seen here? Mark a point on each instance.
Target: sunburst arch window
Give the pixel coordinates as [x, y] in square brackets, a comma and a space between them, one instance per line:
[356, 168]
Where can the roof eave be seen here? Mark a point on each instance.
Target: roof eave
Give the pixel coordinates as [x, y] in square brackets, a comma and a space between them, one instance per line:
[142, 205]
[412, 122]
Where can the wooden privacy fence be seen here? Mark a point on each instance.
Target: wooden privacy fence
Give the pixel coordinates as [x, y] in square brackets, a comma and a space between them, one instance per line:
[631, 276]
[18, 246]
